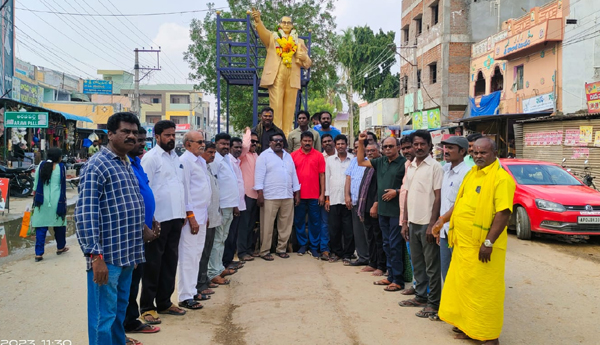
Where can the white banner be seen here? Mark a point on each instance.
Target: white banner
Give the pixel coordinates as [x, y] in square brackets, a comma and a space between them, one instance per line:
[538, 103]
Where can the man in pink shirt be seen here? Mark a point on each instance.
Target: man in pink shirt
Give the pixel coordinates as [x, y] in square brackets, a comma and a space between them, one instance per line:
[249, 217]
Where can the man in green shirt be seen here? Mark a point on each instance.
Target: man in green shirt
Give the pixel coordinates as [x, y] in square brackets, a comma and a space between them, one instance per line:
[389, 171]
[472, 138]
[93, 149]
[294, 140]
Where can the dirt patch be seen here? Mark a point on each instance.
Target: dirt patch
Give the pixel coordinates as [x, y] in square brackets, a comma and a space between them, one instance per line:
[228, 332]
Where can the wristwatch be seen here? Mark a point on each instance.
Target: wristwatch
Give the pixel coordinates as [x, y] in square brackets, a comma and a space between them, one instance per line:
[488, 243]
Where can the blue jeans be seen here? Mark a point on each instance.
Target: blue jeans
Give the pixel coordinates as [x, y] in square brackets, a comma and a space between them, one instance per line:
[107, 305]
[40, 238]
[314, 223]
[393, 246]
[324, 238]
[445, 257]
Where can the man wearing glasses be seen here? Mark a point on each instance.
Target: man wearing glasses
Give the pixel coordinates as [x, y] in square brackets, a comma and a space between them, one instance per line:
[281, 73]
[277, 186]
[197, 197]
[389, 171]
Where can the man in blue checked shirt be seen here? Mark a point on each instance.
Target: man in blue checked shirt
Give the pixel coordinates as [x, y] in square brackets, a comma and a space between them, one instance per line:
[354, 176]
[110, 222]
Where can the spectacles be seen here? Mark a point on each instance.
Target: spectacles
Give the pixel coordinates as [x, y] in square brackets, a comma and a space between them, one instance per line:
[277, 140]
[385, 147]
[286, 23]
[199, 142]
[254, 141]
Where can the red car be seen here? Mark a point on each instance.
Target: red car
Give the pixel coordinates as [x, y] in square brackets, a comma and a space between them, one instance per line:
[548, 199]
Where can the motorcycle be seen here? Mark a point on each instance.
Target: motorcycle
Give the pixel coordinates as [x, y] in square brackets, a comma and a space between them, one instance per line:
[21, 181]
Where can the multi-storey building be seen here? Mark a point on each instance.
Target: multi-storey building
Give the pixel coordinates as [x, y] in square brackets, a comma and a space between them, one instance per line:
[436, 49]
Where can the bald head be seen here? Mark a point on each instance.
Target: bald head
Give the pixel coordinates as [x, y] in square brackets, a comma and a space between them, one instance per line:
[485, 151]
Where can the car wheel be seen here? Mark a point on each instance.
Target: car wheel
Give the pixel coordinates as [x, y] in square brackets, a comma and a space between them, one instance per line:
[523, 224]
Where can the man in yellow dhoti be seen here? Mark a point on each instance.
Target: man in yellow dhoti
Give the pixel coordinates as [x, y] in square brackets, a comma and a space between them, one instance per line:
[473, 293]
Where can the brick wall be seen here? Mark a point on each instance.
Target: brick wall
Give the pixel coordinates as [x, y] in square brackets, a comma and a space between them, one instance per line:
[460, 60]
[459, 17]
[455, 115]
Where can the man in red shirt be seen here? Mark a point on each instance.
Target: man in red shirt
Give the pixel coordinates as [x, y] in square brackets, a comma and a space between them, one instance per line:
[310, 167]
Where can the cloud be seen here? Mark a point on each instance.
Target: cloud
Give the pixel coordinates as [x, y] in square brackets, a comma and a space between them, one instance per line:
[174, 40]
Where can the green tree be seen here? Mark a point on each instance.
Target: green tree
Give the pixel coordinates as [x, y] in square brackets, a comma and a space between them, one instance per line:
[308, 15]
[321, 104]
[369, 56]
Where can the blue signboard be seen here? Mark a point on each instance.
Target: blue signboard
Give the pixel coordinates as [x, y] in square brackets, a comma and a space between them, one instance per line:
[101, 87]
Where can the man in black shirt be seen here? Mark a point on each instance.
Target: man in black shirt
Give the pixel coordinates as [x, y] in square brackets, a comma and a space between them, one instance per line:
[367, 211]
[266, 128]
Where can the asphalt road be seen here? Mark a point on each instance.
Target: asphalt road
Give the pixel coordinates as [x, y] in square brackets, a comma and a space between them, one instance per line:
[552, 297]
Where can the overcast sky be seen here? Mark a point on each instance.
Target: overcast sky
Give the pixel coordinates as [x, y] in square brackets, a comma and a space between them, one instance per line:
[81, 44]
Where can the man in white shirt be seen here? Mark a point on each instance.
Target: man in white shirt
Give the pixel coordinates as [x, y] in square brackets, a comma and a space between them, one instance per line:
[231, 242]
[193, 234]
[229, 202]
[340, 215]
[165, 173]
[277, 185]
[455, 169]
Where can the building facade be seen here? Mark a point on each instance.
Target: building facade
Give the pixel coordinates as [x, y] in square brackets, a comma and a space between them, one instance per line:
[519, 69]
[436, 51]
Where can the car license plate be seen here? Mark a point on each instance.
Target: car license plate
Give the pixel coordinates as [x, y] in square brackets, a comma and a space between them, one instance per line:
[588, 220]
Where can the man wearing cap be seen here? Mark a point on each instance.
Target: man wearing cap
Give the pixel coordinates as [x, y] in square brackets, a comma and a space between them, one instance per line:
[455, 169]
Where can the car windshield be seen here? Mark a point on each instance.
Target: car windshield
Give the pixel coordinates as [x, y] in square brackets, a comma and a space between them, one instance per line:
[539, 174]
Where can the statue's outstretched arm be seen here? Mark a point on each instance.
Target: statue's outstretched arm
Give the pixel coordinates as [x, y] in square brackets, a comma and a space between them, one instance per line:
[263, 33]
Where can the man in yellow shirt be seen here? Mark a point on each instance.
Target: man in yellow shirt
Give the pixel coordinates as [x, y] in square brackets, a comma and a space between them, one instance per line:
[473, 293]
[93, 148]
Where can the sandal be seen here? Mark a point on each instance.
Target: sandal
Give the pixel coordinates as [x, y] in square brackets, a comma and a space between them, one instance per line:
[155, 320]
[247, 258]
[220, 280]
[334, 258]
[283, 255]
[426, 314]
[393, 287]
[188, 304]
[173, 310]
[267, 257]
[409, 291]
[434, 317]
[64, 250]
[207, 292]
[212, 286]
[145, 328]
[378, 273]
[227, 272]
[201, 297]
[413, 302]
[38, 258]
[346, 262]
[131, 341]
[382, 282]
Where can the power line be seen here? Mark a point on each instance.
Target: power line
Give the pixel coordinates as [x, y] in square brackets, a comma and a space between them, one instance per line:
[101, 56]
[120, 15]
[58, 65]
[140, 31]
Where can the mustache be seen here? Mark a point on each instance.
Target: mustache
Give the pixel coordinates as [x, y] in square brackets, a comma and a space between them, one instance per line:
[130, 141]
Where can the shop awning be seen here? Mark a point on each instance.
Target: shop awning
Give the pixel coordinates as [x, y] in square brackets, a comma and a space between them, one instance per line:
[504, 116]
[74, 117]
[67, 116]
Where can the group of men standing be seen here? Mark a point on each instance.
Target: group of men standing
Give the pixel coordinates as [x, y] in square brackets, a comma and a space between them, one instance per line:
[164, 216]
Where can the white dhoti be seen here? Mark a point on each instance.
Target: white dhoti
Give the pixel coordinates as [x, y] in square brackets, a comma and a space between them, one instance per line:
[190, 252]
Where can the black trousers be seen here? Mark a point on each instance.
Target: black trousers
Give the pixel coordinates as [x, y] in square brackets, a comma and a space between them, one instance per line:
[203, 272]
[341, 235]
[248, 219]
[158, 279]
[131, 322]
[377, 258]
[231, 242]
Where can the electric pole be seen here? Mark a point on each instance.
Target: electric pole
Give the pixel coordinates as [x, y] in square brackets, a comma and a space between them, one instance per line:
[137, 107]
[350, 108]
